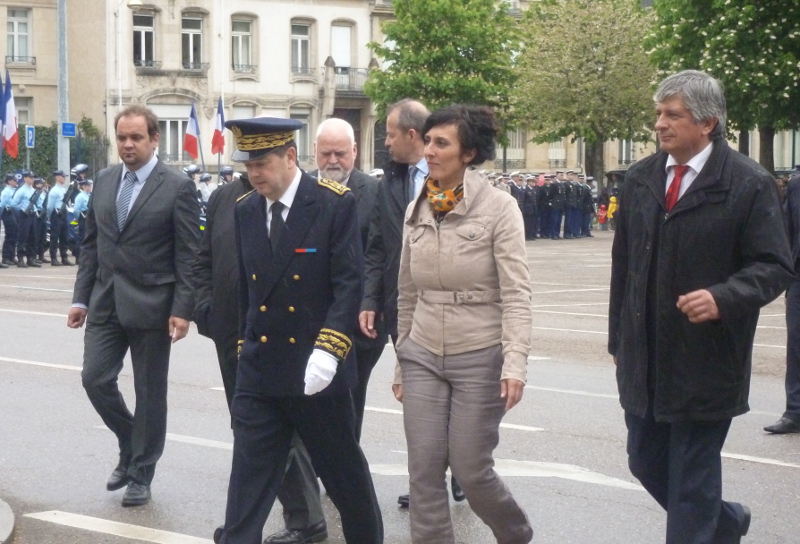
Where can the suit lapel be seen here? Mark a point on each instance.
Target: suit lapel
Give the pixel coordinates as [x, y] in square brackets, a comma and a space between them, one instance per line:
[301, 216]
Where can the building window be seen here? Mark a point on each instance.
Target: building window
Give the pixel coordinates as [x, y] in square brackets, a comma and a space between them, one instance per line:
[301, 48]
[557, 154]
[241, 46]
[170, 144]
[303, 135]
[143, 40]
[191, 42]
[626, 153]
[17, 47]
[24, 110]
[243, 112]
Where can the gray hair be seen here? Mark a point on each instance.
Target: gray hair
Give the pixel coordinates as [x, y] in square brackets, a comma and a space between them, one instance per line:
[411, 114]
[702, 95]
[335, 124]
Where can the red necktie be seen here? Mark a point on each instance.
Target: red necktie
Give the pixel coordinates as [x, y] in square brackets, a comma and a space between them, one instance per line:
[675, 186]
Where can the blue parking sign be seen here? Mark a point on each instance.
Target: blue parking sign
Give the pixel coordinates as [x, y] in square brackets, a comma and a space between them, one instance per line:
[30, 136]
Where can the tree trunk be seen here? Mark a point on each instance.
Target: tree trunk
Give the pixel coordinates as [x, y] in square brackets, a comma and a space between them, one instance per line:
[744, 142]
[595, 163]
[767, 149]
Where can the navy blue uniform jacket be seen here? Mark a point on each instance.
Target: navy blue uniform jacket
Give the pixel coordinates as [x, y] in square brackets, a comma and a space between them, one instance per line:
[306, 295]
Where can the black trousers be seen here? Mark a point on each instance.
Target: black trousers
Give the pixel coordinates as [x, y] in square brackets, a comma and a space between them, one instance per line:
[228, 358]
[141, 435]
[793, 352]
[530, 226]
[10, 240]
[366, 359]
[58, 235]
[24, 235]
[680, 465]
[263, 428]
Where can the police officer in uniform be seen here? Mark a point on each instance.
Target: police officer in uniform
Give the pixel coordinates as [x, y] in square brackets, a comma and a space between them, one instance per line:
[23, 204]
[9, 220]
[572, 196]
[587, 204]
[57, 213]
[301, 270]
[529, 206]
[80, 210]
[225, 175]
[40, 220]
[558, 203]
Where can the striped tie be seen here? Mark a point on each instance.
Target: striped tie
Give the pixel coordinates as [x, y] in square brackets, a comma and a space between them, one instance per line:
[124, 200]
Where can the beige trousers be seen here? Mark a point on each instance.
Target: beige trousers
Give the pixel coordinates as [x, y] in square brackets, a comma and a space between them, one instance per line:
[452, 411]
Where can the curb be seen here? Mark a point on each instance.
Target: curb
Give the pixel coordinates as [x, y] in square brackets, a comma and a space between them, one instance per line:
[6, 523]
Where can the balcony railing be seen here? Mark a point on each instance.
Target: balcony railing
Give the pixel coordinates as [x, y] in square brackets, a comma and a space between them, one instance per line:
[302, 71]
[195, 66]
[244, 68]
[14, 59]
[351, 79]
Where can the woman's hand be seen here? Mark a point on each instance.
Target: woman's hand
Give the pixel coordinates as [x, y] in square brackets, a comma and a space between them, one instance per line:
[510, 389]
[397, 389]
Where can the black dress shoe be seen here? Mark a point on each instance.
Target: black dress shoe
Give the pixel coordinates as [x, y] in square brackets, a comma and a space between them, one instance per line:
[218, 534]
[314, 533]
[67, 262]
[403, 500]
[136, 495]
[55, 263]
[746, 520]
[458, 493]
[3, 265]
[783, 426]
[119, 477]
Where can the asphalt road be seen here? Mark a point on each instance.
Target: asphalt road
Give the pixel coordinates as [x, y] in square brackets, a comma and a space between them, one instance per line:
[562, 449]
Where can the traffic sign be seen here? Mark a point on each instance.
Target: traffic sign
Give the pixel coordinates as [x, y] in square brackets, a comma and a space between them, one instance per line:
[68, 130]
[30, 136]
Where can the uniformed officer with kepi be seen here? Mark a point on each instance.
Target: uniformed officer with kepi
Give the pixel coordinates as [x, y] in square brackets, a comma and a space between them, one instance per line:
[301, 268]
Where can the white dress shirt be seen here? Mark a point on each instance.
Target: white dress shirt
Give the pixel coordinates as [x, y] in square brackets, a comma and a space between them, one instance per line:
[287, 199]
[141, 177]
[695, 165]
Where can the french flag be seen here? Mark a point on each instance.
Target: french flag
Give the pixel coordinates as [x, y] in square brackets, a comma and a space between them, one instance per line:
[218, 139]
[192, 137]
[10, 134]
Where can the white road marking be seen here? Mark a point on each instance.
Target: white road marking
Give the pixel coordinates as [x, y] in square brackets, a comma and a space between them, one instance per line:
[502, 425]
[760, 460]
[36, 288]
[762, 413]
[569, 330]
[570, 305]
[538, 358]
[535, 469]
[218, 388]
[36, 363]
[769, 346]
[573, 392]
[383, 410]
[569, 313]
[28, 312]
[125, 530]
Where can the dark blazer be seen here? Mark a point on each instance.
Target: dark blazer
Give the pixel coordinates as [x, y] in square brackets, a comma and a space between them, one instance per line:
[724, 235]
[365, 189]
[144, 272]
[382, 259]
[216, 269]
[296, 299]
[792, 214]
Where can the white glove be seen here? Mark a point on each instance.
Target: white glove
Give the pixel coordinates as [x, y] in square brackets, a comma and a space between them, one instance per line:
[320, 371]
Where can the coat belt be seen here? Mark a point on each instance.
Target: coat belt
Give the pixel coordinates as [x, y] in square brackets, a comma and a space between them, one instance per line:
[459, 297]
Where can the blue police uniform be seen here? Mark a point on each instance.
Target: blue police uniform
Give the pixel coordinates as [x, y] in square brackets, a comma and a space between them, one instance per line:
[79, 210]
[302, 296]
[9, 224]
[56, 213]
[24, 213]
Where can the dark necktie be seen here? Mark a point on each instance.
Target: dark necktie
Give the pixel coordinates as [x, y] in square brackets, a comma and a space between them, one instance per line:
[675, 187]
[124, 200]
[412, 173]
[276, 225]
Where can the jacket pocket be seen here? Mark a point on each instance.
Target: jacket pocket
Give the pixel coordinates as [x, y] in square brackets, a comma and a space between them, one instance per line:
[158, 278]
[471, 231]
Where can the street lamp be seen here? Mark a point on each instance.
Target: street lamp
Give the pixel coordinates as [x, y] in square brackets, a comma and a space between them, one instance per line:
[133, 5]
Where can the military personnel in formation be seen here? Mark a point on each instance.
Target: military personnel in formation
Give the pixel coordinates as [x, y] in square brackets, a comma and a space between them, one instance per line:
[57, 214]
[39, 230]
[572, 211]
[587, 206]
[545, 208]
[558, 204]
[530, 206]
[517, 189]
[24, 206]
[9, 220]
[80, 210]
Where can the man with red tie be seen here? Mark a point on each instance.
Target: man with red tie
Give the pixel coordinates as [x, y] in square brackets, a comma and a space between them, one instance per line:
[699, 249]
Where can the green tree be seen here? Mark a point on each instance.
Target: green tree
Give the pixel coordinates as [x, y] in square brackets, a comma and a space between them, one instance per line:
[753, 48]
[443, 52]
[583, 73]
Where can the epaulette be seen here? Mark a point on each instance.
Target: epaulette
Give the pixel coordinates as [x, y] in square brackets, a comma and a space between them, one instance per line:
[244, 195]
[337, 188]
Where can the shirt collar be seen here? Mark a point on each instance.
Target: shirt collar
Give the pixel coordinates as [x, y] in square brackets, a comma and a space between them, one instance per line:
[696, 163]
[422, 166]
[144, 172]
[288, 197]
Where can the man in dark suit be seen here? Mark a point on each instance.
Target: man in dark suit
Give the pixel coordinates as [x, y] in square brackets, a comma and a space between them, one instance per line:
[134, 291]
[790, 420]
[300, 265]
[699, 249]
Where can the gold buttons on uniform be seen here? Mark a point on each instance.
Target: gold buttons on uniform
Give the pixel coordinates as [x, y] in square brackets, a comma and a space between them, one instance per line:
[254, 277]
[296, 277]
[263, 308]
[292, 340]
[291, 309]
[263, 339]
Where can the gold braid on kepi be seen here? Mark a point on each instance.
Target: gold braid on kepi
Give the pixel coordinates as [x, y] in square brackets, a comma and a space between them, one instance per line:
[334, 342]
[257, 142]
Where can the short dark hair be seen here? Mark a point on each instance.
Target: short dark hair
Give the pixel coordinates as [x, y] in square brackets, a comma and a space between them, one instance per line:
[139, 110]
[476, 125]
[411, 114]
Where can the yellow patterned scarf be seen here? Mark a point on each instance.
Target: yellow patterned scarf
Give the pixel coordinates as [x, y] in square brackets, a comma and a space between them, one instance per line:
[443, 200]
